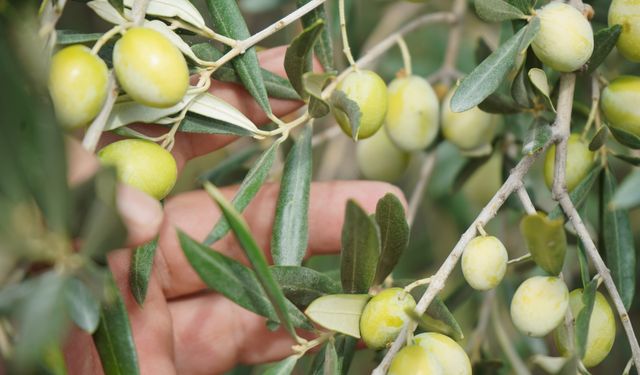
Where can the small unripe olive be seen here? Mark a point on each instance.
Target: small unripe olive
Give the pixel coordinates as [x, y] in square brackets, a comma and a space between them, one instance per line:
[484, 262]
[602, 329]
[78, 85]
[451, 357]
[467, 130]
[414, 360]
[627, 14]
[539, 305]
[579, 161]
[619, 102]
[565, 39]
[369, 91]
[150, 68]
[383, 317]
[379, 159]
[142, 164]
[413, 113]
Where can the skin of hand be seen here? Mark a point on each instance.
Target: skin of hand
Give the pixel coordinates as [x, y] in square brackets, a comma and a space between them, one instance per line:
[183, 328]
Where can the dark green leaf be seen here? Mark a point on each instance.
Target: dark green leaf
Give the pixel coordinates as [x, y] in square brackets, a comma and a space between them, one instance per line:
[584, 265]
[546, 241]
[499, 103]
[323, 47]
[497, 10]
[338, 312]
[633, 160]
[113, 338]
[618, 243]
[255, 255]
[343, 106]
[194, 123]
[584, 316]
[469, 168]
[482, 51]
[64, 37]
[291, 225]
[140, 271]
[394, 235]
[360, 250]
[284, 367]
[487, 76]
[628, 194]
[521, 89]
[346, 348]
[228, 21]
[118, 4]
[298, 58]
[232, 163]
[598, 139]
[233, 280]
[314, 83]
[303, 285]
[248, 189]
[604, 41]
[439, 319]
[625, 138]
[82, 305]
[579, 194]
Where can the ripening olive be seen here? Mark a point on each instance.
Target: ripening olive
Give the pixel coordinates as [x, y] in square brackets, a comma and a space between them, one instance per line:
[451, 356]
[142, 164]
[379, 159]
[369, 91]
[579, 160]
[627, 14]
[565, 39]
[619, 102]
[78, 85]
[413, 113]
[484, 262]
[467, 130]
[414, 360]
[602, 329]
[150, 68]
[383, 317]
[539, 305]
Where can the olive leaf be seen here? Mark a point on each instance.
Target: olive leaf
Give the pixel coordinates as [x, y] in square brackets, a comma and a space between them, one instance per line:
[182, 9]
[338, 312]
[603, 40]
[360, 249]
[313, 84]
[539, 79]
[584, 317]
[625, 138]
[598, 139]
[66, 37]
[298, 58]
[633, 160]
[284, 367]
[497, 10]
[193, 123]
[499, 103]
[627, 195]
[140, 269]
[394, 235]
[83, 306]
[546, 241]
[537, 137]
[343, 106]
[438, 318]
[303, 285]
[579, 194]
[323, 47]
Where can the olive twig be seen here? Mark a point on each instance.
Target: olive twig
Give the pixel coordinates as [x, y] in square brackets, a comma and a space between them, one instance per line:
[91, 137]
[204, 31]
[593, 112]
[301, 349]
[448, 71]
[346, 49]
[107, 36]
[418, 191]
[627, 368]
[519, 259]
[168, 140]
[529, 208]
[416, 284]
[406, 55]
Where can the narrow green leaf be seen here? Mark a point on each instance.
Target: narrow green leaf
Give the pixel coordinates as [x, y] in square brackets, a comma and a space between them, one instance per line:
[394, 235]
[284, 367]
[331, 362]
[584, 316]
[603, 42]
[298, 58]
[538, 135]
[500, 104]
[521, 90]
[194, 123]
[113, 338]
[438, 318]
[625, 138]
[633, 160]
[313, 84]
[234, 280]
[343, 106]
[65, 37]
[303, 285]
[599, 139]
[579, 194]
[339, 312]
[497, 10]
[324, 46]
[82, 305]
[140, 271]
[546, 241]
[618, 243]
[627, 195]
[250, 186]
[360, 250]
[539, 80]
[487, 76]
[228, 21]
[469, 168]
[584, 265]
[255, 255]
[290, 228]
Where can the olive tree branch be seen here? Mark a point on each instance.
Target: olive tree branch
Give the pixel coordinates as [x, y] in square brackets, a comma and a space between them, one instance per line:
[448, 70]
[418, 191]
[529, 208]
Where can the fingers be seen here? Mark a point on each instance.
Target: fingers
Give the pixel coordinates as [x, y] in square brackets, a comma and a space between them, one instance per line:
[195, 214]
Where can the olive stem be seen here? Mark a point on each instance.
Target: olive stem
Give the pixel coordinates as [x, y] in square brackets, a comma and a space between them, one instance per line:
[529, 208]
[519, 259]
[627, 368]
[107, 36]
[138, 11]
[301, 349]
[519, 368]
[562, 130]
[406, 55]
[595, 102]
[346, 49]
[204, 31]
[448, 70]
[92, 136]
[416, 284]
[418, 191]
[169, 138]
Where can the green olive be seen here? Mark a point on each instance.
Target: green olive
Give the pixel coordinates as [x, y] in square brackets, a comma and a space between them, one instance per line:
[627, 14]
[383, 317]
[369, 92]
[565, 39]
[451, 356]
[467, 130]
[78, 85]
[539, 304]
[142, 164]
[484, 262]
[150, 68]
[413, 113]
[619, 102]
[602, 329]
[414, 360]
[379, 159]
[579, 161]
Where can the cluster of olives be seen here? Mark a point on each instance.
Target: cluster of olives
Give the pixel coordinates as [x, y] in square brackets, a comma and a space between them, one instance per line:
[151, 71]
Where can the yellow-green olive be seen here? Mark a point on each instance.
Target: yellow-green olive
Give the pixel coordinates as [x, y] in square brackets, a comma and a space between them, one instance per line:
[78, 85]
[619, 102]
[539, 305]
[579, 161]
[565, 39]
[383, 317]
[379, 159]
[150, 68]
[142, 164]
[413, 113]
[468, 130]
[602, 329]
[414, 360]
[451, 356]
[627, 14]
[369, 92]
[484, 262]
